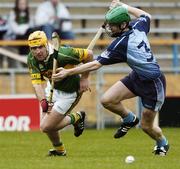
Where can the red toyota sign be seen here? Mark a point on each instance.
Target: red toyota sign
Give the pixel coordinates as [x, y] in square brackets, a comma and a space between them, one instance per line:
[19, 114]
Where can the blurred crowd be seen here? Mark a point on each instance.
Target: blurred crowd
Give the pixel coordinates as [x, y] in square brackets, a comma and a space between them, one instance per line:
[50, 16]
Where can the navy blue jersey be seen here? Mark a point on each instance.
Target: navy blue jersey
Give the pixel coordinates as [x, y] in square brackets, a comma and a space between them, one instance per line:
[133, 48]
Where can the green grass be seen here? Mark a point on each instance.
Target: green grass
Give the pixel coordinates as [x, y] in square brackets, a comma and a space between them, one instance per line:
[93, 150]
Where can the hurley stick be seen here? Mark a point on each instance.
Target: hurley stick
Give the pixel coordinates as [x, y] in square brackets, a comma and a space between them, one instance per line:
[56, 45]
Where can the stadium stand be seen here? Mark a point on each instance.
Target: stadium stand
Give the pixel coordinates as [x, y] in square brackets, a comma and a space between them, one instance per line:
[87, 16]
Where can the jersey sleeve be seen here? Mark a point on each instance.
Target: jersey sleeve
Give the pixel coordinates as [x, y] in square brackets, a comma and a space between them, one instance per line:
[74, 56]
[109, 57]
[142, 24]
[83, 54]
[115, 53]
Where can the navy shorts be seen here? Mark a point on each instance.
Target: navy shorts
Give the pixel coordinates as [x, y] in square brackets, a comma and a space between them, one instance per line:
[151, 92]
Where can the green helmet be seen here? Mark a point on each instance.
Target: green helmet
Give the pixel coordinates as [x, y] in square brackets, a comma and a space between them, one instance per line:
[117, 15]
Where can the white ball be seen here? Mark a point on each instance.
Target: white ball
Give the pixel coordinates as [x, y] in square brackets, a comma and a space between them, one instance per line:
[129, 159]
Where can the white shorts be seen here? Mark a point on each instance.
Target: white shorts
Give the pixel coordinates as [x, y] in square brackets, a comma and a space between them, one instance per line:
[63, 102]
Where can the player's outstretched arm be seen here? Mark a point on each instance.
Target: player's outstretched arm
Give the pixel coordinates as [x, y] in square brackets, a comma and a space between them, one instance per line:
[87, 67]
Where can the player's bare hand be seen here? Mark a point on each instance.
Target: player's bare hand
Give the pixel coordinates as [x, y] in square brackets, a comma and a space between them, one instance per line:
[50, 105]
[115, 3]
[61, 73]
[84, 85]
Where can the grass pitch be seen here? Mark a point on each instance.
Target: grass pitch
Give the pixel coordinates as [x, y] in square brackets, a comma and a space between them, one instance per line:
[93, 150]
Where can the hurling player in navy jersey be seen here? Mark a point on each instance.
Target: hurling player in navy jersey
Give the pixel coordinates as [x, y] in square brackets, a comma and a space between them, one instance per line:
[145, 80]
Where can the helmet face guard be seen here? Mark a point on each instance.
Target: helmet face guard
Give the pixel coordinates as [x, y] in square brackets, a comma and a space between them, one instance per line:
[119, 29]
[37, 38]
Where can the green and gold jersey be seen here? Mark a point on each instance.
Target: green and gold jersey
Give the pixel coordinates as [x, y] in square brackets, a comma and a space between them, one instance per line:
[67, 57]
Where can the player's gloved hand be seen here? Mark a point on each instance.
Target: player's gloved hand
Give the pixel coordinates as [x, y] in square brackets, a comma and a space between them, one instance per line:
[44, 104]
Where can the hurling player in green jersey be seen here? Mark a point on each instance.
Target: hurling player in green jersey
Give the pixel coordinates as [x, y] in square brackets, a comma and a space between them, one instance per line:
[66, 93]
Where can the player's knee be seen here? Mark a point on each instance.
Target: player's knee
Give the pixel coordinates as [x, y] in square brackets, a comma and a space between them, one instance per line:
[108, 102]
[105, 102]
[147, 120]
[45, 128]
[147, 128]
[144, 127]
[42, 128]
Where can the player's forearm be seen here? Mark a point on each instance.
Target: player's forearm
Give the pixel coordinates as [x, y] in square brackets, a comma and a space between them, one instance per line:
[136, 12]
[132, 10]
[39, 91]
[94, 65]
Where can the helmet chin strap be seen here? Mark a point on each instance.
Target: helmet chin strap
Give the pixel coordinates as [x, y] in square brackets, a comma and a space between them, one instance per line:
[117, 34]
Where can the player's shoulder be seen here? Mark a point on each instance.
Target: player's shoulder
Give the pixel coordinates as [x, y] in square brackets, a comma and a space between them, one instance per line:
[142, 18]
[65, 49]
[142, 24]
[70, 50]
